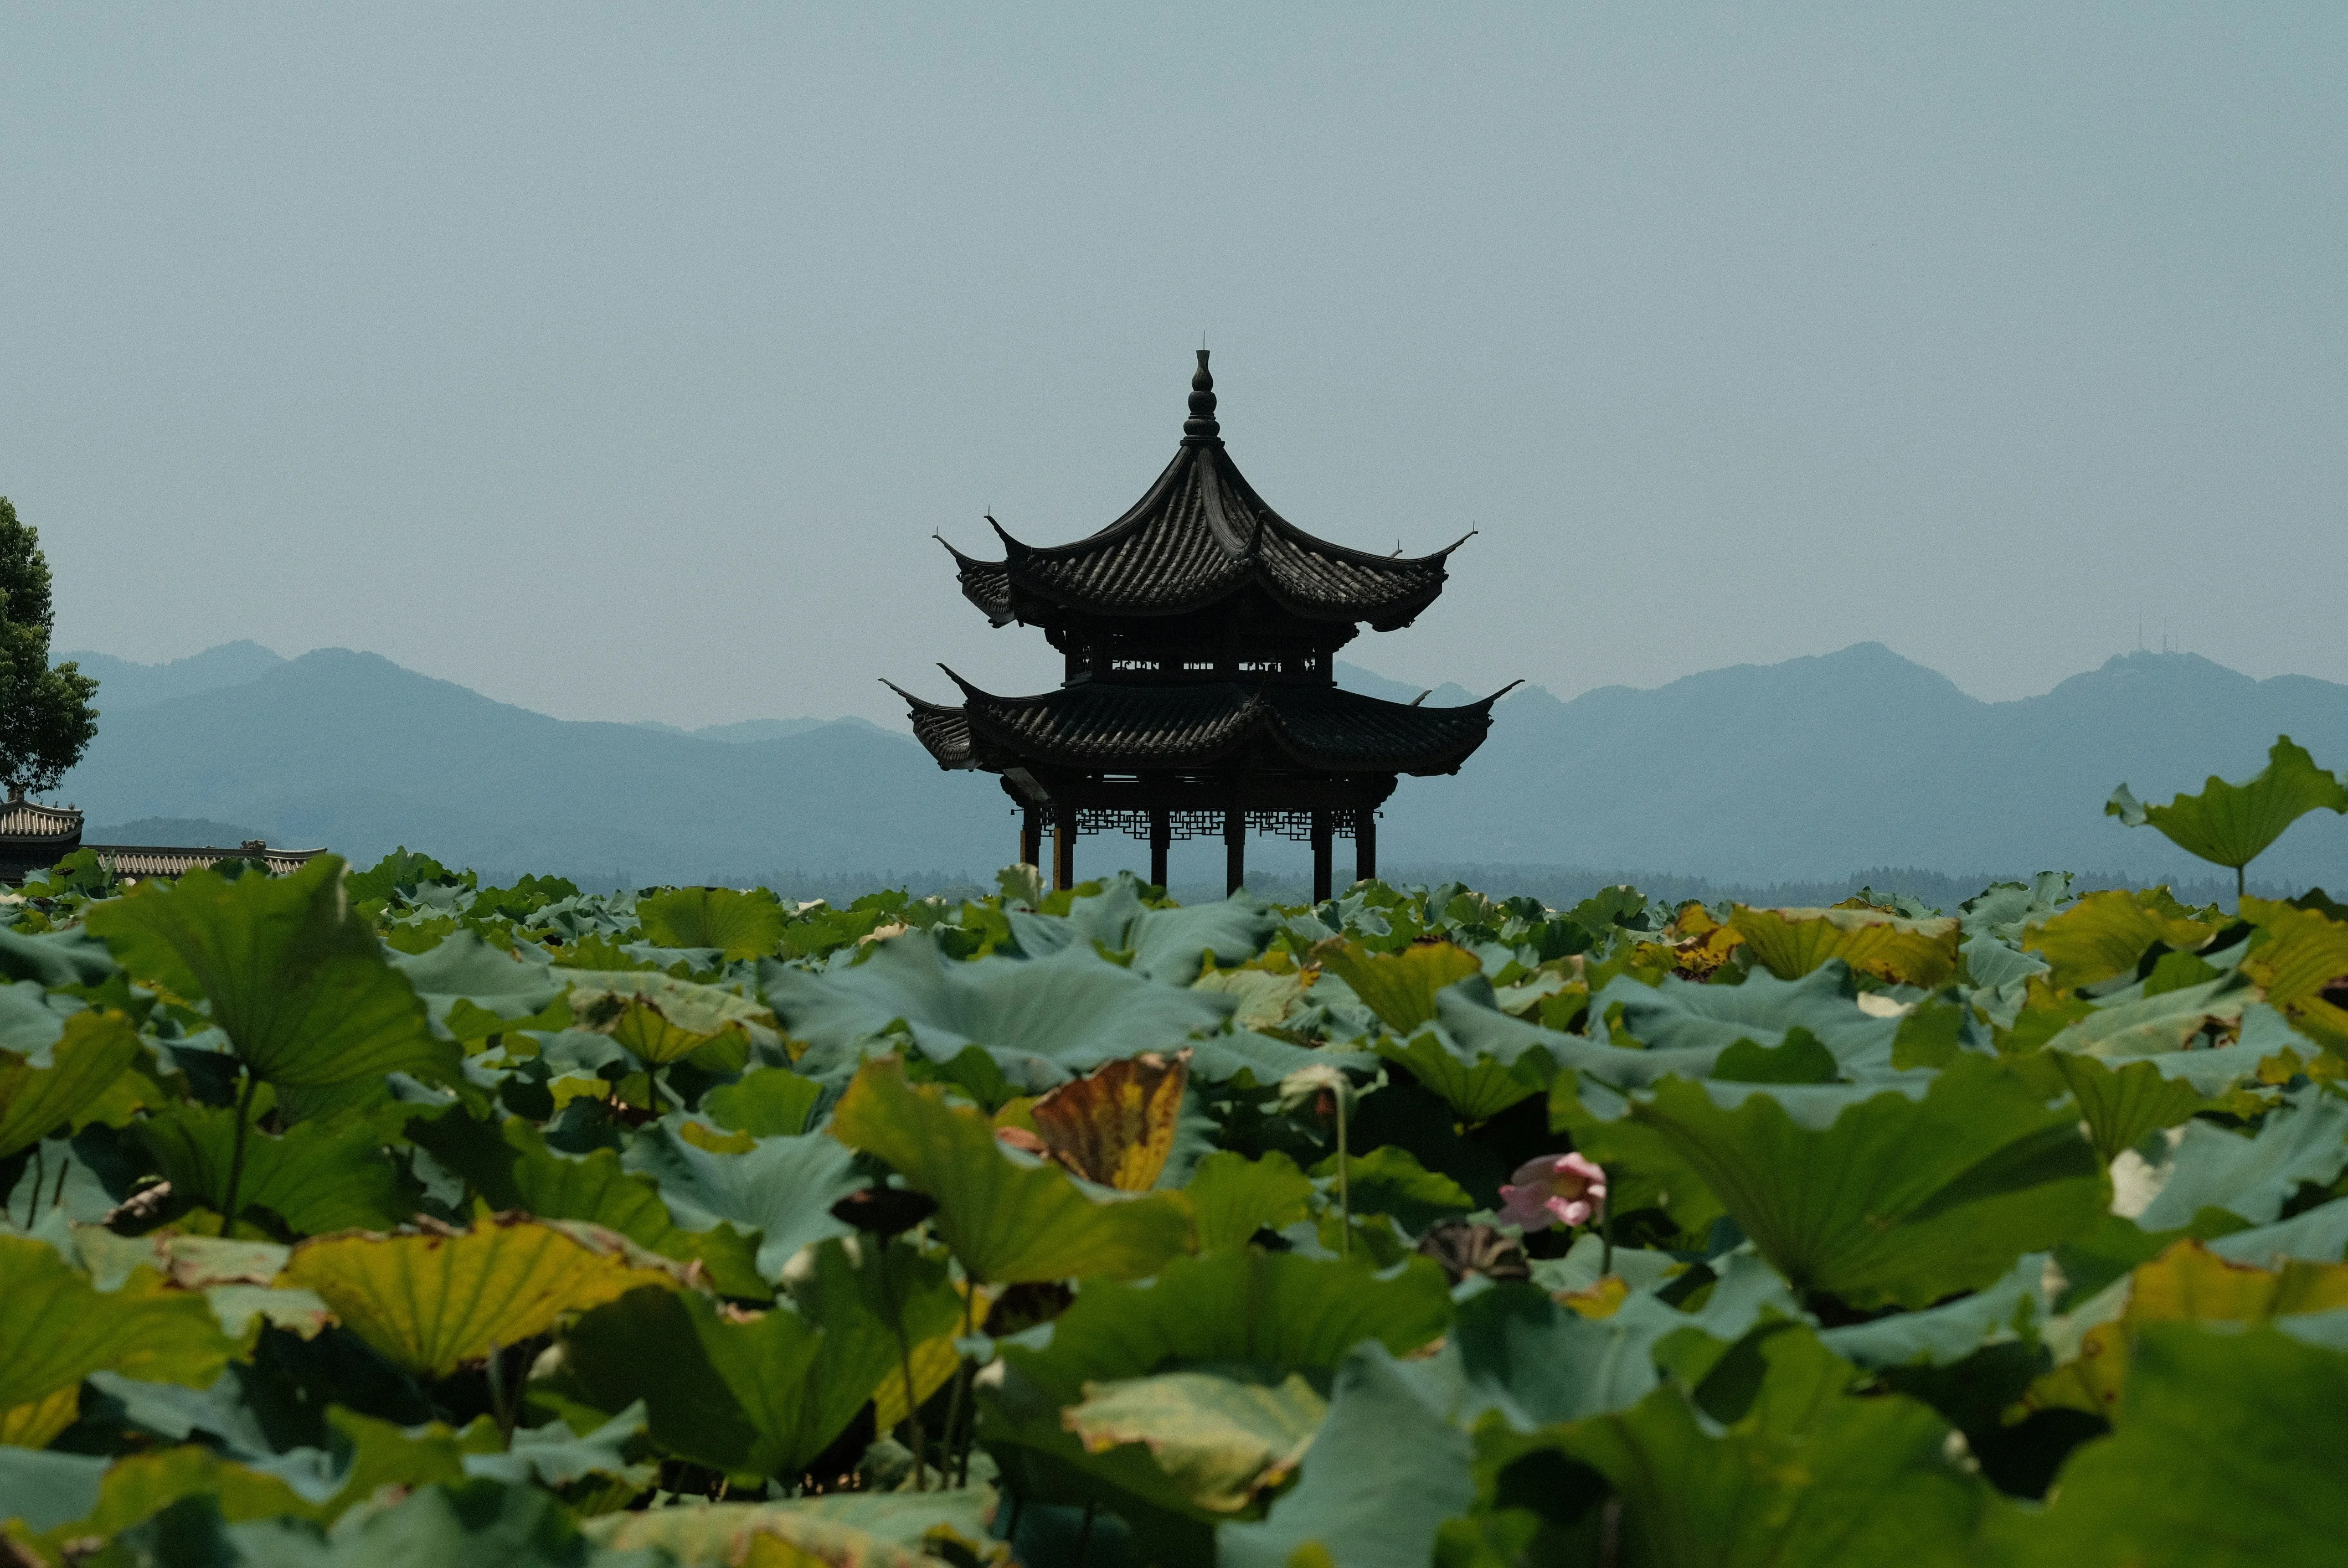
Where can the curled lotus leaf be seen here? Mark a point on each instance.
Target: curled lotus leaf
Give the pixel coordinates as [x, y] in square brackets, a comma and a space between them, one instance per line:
[1400, 988]
[2104, 935]
[431, 1300]
[1791, 943]
[737, 924]
[660, 1019]
[2231, 825]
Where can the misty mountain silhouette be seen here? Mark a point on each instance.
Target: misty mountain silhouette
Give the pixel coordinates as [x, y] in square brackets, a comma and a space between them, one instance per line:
[1809, 768]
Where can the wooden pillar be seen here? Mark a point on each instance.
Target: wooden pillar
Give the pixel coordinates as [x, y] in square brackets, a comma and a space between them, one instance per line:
[1234, 850]
[1161, 842]
[1366, 844]
[1322, 871]
[1063, 846]
[1031, 835]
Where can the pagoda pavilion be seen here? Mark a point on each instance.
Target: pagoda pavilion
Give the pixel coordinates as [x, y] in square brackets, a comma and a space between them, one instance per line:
[1200, 632]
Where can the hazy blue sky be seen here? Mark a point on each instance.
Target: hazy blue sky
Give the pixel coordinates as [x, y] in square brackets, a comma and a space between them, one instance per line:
[619, 361]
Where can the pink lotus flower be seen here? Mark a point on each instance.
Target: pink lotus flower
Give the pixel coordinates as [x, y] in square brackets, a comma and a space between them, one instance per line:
[1556, 1189]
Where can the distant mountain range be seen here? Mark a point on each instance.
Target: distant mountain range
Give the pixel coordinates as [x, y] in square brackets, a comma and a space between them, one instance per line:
[1808, 769]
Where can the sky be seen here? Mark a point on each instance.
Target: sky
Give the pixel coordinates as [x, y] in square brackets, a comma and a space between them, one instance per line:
[619, 361]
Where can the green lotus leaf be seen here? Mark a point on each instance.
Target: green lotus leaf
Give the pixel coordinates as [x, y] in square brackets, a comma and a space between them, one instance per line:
[765, 1103]
[1222, 1441]
[1391, 1181]
[1803, 1472]
[1008, 1220]
[2104, 935]
[1479, 1086]
[56, 1327]
[2298, 959]
[1277, 1312]
[1876, 1197]
[471, 1523]
[2305, 1140]
[1400, 988]
[463, 977]
[738, 925]
[1535, 1362]
[321, 1175]
[762, 1394]
[555, 1455]
[118, 1497]
[295, 976]
[428, 1303]
[661, 1019]
[512, 1167]
[1378, 1484]
[2121, 1107]
[1042, 1019]
[2225, 1450]
[72, 956]
[2231, 825]
[781, 1190]
[1682, 1027]
[37, 1096]
[1791, 943]
[1170, 946]
[867, 1529]
[1234, 1197]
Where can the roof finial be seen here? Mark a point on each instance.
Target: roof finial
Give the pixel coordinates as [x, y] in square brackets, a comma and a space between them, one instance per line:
[1201, 427]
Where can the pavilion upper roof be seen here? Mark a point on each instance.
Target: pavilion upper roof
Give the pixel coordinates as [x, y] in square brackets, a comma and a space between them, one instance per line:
[1198, 536]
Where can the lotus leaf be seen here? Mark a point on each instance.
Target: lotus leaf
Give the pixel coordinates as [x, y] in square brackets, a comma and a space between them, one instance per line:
[2106, 934]
[2225, 1450]
[867, 1530]
[46, 1090]
[660, 1019]
[1006, 1220]
[1877, 1198]
[430, 1302]
[2305, 1140]
[738, 925]
[1477, 1086]
[512, 1167]
[1400, 988]
[1167, 944]
[1234, 1197]
[319, 1176]
[1043, 1020]
[759, 1394]
[2187, 1283]
[765, 1103]
[56, 1327]
[2231, 825]
[781, 1188]
[295, 976]
[2121, 1107]
[1804, 1472]
[2300, 955]
[1115, 1126]
[1378, 1484]
[1791, 943]
[463, 969]
[1224, 1440]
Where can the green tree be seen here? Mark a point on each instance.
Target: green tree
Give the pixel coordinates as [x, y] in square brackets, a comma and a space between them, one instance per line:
[46, 719]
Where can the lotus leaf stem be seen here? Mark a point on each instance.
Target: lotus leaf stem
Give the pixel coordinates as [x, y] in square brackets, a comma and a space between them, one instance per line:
[958, 1448]
[905, 1360]
[236, 1157]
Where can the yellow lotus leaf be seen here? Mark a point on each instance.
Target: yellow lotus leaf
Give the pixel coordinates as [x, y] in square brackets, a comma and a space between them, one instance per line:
[432, 1300]
[56, 1327]
[934, 1360]
[34, 1424]
[2105, 934]
[2187, 1283]
[2300, 955]
[1400, 988]
[1115, 1125]
[844, 1529]
[1790, 943]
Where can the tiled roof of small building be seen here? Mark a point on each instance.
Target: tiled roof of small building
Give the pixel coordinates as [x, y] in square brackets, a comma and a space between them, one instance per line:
[1139, 728]
[1200, 535]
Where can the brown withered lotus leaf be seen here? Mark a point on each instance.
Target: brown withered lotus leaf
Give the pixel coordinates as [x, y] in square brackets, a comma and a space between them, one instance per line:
[1115, 1125]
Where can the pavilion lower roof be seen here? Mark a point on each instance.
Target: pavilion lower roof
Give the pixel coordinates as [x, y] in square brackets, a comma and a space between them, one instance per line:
[1118, 727]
